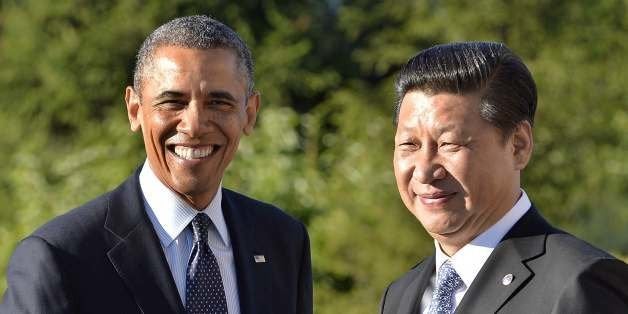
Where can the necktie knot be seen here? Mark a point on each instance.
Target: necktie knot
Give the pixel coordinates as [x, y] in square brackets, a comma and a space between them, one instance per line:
[448, 278]
[200, 225]
[447, 283]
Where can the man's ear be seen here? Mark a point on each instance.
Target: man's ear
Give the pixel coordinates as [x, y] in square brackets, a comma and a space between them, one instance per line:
[133, 108]
[522, 143]
[252, 108]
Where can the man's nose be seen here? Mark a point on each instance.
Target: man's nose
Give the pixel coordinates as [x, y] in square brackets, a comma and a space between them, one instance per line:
[427, 168]
[194, 121]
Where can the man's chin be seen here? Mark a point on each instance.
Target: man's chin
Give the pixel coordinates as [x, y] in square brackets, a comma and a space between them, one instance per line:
[441, 225]
[193, 188]
[197, 199]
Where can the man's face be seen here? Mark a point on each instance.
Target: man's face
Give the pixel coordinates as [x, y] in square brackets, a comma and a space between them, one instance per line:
[192, 109]
[454, 171]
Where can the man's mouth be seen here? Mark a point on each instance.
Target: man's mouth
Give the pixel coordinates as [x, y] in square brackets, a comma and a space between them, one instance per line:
[435, 198]
[189, 153]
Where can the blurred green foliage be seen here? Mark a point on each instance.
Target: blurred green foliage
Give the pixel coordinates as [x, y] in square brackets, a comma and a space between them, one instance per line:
[323, 146]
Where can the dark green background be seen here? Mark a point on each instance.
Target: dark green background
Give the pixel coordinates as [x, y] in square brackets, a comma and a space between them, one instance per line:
[323, 147]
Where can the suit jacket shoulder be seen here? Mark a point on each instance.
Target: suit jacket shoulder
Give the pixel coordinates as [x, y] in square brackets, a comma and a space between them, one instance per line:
[575, 277]
[552, 271]
[78, 262]
[74, 231]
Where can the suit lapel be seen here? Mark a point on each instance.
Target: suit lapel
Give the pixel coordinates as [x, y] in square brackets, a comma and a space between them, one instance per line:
[488, 292]
[254, 279]
[136, 252]
[491, 289]
[411, 300]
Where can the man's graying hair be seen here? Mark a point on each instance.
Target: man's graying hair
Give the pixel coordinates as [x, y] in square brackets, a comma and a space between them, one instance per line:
[199, 32]
[508, 92]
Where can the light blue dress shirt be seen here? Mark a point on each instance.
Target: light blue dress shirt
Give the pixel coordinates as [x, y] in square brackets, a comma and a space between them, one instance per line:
[170, 216]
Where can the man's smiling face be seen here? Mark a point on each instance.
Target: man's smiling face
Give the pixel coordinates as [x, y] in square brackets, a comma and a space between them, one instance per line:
[192, 108]
[455, 171]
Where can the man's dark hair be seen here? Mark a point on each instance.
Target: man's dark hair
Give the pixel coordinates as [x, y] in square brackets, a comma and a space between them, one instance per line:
[200, 32]
[507, 90]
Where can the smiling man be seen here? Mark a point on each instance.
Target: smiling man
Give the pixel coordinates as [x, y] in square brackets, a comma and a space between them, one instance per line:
[464, 122]
[171, 239]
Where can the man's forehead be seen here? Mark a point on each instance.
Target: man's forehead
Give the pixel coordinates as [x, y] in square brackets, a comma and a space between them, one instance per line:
[173, 60]
[442, 112]
[164, 64]
[436, 126]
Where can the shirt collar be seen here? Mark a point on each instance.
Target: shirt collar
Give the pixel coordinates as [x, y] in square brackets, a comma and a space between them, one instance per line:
[172, 212]
[470, 258]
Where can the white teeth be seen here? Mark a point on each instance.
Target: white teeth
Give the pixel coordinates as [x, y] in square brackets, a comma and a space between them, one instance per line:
[193, 153]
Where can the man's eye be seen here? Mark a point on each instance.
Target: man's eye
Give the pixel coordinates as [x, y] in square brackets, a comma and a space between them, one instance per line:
[408, 146]
[171, 104]
[219, 103]
[448, 146]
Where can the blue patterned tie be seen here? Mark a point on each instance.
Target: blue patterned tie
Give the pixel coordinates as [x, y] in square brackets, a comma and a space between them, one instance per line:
[448, 281]
[204, 292]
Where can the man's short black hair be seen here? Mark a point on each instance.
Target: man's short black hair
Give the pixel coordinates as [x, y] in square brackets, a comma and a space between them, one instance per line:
[199, 32]
[507, 90]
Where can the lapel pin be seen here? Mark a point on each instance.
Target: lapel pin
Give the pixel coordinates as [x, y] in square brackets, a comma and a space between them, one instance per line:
[259, 258]
[507, 279]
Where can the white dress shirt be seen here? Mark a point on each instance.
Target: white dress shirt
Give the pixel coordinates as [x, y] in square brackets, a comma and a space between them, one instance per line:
[470, 258]
[170, 216]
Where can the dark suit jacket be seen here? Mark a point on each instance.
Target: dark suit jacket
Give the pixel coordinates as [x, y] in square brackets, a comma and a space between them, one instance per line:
[554, 272]
[105, 257]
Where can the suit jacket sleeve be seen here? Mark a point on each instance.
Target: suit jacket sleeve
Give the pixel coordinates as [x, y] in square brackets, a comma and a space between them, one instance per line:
[304, 301]
[600, 288]
[35, 280]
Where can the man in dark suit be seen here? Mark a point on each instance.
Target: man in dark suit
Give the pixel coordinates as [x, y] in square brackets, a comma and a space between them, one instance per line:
[463, 135]
[170, 239]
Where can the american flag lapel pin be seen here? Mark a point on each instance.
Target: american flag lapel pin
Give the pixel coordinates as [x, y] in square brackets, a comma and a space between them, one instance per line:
[259, 258]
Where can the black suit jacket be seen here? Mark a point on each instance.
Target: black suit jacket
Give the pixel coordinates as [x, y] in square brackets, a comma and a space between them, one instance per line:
[554, 272]
[105, 257]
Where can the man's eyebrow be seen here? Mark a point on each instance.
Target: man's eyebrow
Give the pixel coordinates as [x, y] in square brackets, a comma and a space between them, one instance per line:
[220, 94]
[412, 125]
[170, 94]
[440, 130]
